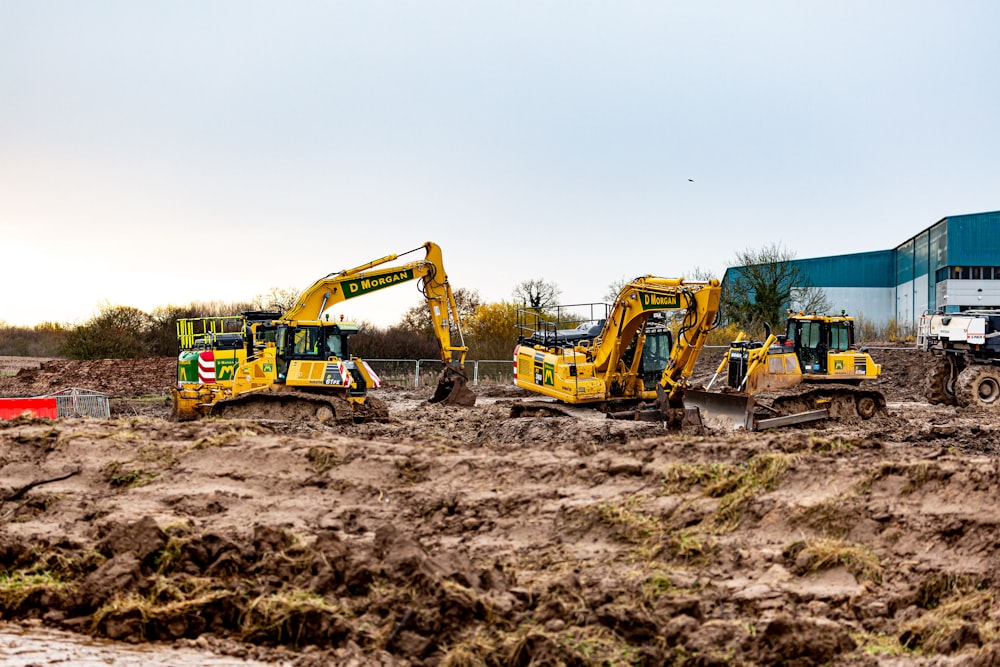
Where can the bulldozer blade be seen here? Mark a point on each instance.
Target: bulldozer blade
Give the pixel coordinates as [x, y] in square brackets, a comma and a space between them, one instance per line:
[736, 409]
[452, 389]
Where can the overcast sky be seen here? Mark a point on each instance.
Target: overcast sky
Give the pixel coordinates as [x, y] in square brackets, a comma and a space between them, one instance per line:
[164, 152]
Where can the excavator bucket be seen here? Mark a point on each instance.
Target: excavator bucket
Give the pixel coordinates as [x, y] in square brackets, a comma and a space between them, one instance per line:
[737, 410]
[452, 389]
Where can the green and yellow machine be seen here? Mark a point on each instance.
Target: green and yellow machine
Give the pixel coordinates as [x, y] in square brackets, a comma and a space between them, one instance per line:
[298, 365]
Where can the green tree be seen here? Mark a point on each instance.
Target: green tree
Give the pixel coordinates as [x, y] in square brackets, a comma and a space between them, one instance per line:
[762, 284]
[116, 332]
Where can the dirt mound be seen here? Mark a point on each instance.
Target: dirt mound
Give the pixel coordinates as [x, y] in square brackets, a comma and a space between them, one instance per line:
[464, 536]
[115, 377]
[451, 536]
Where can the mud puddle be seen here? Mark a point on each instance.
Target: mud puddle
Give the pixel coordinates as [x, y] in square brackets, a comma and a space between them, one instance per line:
[29, 646]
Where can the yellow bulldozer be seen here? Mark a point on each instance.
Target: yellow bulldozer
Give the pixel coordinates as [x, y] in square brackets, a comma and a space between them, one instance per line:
[811, 372]
[298, 365]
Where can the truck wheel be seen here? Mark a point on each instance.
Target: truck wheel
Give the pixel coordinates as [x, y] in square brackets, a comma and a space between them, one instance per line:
[940, 386]
[979, 386]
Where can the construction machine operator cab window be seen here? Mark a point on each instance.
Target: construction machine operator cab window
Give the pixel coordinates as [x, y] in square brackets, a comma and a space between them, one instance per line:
[841, 336]
[335, 345]
[307, 342]
[810, 346]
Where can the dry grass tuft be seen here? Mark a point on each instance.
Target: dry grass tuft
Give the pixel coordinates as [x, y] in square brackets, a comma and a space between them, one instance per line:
[829, 553]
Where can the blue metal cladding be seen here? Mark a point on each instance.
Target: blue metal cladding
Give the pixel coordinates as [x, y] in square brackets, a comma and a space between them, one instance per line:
[973, 240]
[921, 251]
[938, 247]
[863, 269]
[904, 263]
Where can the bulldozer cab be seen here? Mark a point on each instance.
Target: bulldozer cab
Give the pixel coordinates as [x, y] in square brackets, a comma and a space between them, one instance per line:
[813, 337]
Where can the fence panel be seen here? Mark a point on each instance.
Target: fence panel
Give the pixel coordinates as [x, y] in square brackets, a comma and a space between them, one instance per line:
[417, 373]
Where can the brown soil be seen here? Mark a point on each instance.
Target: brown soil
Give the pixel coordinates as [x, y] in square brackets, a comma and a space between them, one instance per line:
[462, 536]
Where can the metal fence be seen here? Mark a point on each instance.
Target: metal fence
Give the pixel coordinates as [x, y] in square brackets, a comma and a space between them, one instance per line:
[82, 403]
[424, 372]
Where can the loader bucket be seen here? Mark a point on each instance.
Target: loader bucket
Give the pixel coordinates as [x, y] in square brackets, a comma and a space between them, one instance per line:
[733, 409]
[452, 390]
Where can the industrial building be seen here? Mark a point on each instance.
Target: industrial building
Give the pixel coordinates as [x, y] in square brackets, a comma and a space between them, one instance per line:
[951, 266]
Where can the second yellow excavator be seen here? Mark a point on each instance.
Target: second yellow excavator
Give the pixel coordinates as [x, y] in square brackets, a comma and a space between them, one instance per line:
[298, 365]
[626, 353]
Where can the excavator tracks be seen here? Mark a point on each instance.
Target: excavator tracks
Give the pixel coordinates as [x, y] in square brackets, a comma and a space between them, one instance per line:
[300, 406]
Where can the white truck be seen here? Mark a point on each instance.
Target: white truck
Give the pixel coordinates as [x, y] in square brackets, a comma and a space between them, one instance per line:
[966, 347]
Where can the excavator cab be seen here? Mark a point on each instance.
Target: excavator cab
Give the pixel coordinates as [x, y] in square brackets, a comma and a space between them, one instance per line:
[311, 353]
[655, 355]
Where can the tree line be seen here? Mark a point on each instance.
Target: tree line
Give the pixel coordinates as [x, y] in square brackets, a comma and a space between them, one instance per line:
[756, 295]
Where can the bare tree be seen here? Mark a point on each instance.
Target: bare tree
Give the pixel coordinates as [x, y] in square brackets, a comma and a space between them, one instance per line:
[277, 298]
[762, 284]
[615, 287]
[537, 293]
[700, 274]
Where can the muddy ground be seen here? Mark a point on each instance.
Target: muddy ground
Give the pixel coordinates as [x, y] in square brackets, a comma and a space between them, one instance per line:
[453, 536]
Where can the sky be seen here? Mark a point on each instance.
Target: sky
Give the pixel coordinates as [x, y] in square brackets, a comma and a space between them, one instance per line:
[166, 152]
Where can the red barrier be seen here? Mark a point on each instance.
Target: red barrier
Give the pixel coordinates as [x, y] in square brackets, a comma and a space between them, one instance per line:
[35, 407]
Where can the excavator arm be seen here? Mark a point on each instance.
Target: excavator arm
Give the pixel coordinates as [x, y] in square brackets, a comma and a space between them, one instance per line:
[367, 278]
[632, 309]
[702, 309]
[373, 276]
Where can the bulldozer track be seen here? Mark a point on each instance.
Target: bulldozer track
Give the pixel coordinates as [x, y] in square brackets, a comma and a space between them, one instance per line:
[841, 400]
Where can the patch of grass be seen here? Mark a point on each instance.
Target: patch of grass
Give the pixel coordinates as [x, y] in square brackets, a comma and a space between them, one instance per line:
[829, 553]
[880, 644]
[322, 459]
[152, 608]
[228, 437]
[733, 484]
[280, 614]
[589, 645]
[170, 554]
[681, 477]
[629, 525]
[745, 482]
[934, 630]
[822, 445]
[16, 586]
[120, 475]
[831, 517]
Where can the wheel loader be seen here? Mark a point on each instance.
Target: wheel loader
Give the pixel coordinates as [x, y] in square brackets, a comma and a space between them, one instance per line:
[811, 372]
[298, 365]
[619, 354]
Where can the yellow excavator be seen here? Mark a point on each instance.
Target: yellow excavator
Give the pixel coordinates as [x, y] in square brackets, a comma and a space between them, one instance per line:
[811, 372]
[622, 355]
[297, 365]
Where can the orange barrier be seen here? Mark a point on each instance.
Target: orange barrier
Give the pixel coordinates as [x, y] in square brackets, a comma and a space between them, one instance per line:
[35, 407]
